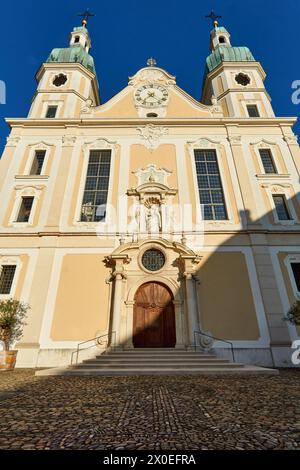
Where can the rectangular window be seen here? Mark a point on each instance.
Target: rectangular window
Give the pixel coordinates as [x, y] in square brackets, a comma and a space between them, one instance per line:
[210, 186]
[281, 207]
[296, 272]
[51, 112]
[96, 186]
[267, 161]
[7, 273]
[25, 209]
[252, 110]
[37, 164]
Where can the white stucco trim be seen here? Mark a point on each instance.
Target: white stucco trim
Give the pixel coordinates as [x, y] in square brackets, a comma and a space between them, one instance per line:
[100, 143]
[12, 261]
[204, 143]
[281, 284]
[22, 192]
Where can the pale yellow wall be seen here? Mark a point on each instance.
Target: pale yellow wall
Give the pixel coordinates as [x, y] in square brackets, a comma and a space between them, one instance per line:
[179, 105]
[24, 260]
[227, 183]
[226, 301]
[75, 192]
[5, 162]
[82, 301]
[163, 157]
[60, 187]
[122, 108]
[191, 188]
[287, 282]
[38, 296]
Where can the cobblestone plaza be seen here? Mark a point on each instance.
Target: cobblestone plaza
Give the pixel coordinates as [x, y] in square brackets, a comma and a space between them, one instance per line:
[152, 413]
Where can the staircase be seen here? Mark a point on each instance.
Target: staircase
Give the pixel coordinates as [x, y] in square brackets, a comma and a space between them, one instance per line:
[156, 361]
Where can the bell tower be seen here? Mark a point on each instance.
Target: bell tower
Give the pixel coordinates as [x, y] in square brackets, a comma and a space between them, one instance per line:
[67, 81]
[234, 77]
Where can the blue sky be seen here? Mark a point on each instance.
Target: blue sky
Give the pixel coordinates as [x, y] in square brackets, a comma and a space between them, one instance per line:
[125, 33]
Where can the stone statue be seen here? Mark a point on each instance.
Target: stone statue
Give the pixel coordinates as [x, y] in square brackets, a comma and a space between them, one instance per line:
[153, 219]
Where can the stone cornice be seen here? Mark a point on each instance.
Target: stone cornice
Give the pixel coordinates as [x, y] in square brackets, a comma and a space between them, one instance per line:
[275, 231]
[128, 122]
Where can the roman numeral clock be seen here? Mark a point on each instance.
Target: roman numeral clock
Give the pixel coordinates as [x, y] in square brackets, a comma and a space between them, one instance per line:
[151, 100]
[151, 95]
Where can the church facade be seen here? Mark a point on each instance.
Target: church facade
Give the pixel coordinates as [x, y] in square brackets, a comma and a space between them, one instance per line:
[151, 218]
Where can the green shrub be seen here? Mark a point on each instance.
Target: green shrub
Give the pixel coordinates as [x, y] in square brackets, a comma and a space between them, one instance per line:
[12, 321]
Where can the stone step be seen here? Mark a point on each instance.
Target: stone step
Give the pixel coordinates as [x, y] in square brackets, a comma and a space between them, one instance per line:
[164, 357]
[245, 370]
[152, 351]
[156, 356]
[161, 366]
[191, 360]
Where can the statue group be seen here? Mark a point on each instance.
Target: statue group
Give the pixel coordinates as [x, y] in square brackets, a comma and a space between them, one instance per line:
[149, 218]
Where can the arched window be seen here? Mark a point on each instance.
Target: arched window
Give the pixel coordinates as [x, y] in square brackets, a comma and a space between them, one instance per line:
[153, 115]
[222, 40]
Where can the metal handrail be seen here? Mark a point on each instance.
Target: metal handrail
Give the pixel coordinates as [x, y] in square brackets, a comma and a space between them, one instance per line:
[218, 339]
[98, 342]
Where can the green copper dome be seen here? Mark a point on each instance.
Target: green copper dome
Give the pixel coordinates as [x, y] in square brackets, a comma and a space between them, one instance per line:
[228, 54]
[74, 53]
[220, 29]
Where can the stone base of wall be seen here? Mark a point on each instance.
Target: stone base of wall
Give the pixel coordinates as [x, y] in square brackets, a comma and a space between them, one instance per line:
[265, 357]
[280, 356]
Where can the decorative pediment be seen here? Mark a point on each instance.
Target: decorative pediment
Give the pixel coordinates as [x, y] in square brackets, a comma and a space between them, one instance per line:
[263, 143]
[99, 144]
[152, 174]
[276, 188]
[42, 145]
[32, 190]
[152, 75]
[203, 143]
[152, 185]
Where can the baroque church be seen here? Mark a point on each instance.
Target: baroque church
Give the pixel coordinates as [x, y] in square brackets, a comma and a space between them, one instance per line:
[152, 220]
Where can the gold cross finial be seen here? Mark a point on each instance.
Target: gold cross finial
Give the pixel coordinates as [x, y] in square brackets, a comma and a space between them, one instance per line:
[85, 16]
[214, 18]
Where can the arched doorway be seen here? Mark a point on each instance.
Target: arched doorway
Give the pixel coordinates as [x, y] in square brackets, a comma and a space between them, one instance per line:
[154, 317]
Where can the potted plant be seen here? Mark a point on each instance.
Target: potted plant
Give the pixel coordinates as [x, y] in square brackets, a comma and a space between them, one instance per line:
[12, 321]
[293, 315]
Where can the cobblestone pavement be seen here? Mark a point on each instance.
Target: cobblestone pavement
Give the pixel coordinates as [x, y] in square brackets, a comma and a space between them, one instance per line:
[162, 413]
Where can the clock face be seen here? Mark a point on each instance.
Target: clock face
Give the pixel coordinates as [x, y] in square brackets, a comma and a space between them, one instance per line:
[151, 95]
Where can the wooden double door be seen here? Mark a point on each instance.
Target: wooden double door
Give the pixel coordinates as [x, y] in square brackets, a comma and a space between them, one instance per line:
[154, 317]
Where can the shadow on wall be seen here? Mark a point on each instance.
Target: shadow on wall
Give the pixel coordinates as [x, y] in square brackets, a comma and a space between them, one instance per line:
[233, 302]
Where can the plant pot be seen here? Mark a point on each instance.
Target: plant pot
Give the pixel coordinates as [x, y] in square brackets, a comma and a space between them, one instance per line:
[8, 360]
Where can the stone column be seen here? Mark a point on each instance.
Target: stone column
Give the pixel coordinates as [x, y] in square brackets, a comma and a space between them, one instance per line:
[117, 306]
[278, 330]
[293, 146]
[117, 263]
[129, 324]
[192, 310]
[180, 327]
[246, 191]
[189, 264]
